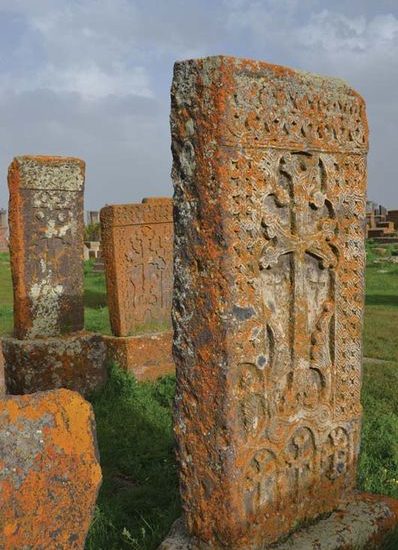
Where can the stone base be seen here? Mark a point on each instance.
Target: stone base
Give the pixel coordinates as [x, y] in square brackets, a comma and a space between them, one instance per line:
[147, 356]
[364, 522]
[76, 362]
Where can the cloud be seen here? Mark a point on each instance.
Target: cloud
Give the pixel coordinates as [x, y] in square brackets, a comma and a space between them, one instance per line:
[91, 77]
[359, 45]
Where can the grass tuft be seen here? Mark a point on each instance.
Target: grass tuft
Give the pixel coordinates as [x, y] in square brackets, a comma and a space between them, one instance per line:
[138, 500]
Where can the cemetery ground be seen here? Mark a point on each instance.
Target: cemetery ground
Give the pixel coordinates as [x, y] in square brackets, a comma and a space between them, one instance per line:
[139, 500]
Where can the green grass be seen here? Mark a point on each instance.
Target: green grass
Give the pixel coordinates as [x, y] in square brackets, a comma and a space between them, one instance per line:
[6, 300]
[96, 314]
[381, 311]
[138, 500]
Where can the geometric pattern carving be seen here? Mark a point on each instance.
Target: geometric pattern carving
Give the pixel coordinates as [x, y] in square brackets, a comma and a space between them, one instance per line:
[268, 300]
[46, 243]
[138, 251]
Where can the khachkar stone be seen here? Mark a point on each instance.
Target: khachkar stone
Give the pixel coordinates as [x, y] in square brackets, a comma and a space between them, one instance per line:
[49, 349]
[46, 244]
[137, 248]
[270, 179]
[49, 470]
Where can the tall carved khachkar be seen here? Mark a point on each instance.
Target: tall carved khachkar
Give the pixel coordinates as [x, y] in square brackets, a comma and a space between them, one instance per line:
[46, 237]
[137, 247]
[270, 179]
[137, 241]
[49, 349]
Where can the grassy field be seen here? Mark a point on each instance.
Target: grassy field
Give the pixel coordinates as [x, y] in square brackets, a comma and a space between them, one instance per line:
[138, 500]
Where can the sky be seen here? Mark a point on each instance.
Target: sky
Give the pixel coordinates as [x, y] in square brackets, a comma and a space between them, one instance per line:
[91, 78]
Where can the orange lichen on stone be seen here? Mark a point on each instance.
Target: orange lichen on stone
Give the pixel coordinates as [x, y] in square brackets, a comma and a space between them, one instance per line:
[77, 362]
[364, 521]
[46, 244]
[137, 248]
[49, 470]
[270, 183]
[146, 356]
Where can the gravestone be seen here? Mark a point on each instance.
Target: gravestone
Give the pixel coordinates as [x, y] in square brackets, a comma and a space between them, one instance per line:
[49, 349]
[137, 248]
[49, 470]
[46, 244]
[270, 181]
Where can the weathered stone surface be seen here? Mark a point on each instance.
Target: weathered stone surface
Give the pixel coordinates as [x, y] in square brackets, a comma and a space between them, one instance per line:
[46, 244]
[270, 177]
[147, 356]
[363, 522]
[138, 253]
[49, 470]
[76, 362]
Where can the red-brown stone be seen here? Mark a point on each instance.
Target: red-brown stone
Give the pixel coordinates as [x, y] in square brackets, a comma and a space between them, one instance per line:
[146, 356]
[363, 521]
[49, 470]
[137, 250]
[270, 182]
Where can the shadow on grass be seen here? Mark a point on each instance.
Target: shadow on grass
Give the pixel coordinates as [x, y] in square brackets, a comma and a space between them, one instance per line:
[382, 300]
[138, 500]
[94, 299]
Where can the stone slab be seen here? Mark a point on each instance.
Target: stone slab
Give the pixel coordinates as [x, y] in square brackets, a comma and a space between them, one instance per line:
[46, 244]
[137, 248]
[361, 523]
[49, 470]
[76, 362]
[147, 356]
[269, 214]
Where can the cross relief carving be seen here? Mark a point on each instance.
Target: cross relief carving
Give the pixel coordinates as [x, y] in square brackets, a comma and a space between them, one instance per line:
[147, 263]
[299, 256]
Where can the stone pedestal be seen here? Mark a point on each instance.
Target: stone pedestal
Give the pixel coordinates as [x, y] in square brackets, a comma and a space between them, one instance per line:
[147, 356]
[363, 522]
[77, 362]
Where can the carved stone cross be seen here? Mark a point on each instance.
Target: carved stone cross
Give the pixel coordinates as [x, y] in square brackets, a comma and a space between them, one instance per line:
[307, 231]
